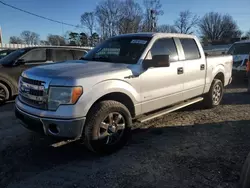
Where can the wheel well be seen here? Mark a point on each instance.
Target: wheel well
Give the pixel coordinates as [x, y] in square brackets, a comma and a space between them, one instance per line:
[7, 85]
[120, 97]
[220, 76]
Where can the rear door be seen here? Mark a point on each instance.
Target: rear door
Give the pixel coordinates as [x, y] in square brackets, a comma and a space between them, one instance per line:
[59, 55]
[194, 68]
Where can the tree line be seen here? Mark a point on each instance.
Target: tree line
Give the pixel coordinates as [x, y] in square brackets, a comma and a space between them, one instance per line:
[114, 17]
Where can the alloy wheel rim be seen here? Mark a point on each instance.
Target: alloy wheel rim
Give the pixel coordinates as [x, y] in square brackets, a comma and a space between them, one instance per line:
[2, 94]
[217, 93]
[112, 128]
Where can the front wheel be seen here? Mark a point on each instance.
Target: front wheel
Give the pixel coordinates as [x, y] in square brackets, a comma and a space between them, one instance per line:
[4, 93]
[215, 94]
[108, 127]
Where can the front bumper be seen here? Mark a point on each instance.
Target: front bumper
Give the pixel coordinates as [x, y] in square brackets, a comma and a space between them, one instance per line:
[64, 128]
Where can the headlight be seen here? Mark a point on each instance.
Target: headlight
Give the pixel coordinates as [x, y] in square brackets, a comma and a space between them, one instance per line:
[63, 95]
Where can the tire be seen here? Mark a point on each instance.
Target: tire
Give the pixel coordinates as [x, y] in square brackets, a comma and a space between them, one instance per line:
[245, 174]
[216, 89]
[101, 123]
[4, 93]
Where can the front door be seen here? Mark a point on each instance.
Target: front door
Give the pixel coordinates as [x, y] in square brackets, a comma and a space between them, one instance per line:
[162, 86]
[34, 57]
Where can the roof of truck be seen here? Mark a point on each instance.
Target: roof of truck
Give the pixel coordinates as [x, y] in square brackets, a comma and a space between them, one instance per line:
[243, 41]
[57, 47]
[152, 34]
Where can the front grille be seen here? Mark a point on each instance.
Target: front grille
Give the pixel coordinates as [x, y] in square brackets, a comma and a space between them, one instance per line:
[30, 81]
[33, 93]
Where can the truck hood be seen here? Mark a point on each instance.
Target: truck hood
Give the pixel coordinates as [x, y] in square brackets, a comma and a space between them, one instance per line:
[75, 69]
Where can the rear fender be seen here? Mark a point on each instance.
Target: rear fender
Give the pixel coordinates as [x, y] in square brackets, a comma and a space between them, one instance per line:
[211, 75]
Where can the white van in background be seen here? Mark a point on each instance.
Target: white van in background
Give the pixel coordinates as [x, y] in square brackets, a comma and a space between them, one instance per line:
[240, 51]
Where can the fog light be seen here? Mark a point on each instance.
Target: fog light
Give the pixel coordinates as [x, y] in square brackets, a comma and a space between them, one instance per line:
[53, 129]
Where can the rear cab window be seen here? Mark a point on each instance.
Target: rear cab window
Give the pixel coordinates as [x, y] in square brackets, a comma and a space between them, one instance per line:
[190, 48]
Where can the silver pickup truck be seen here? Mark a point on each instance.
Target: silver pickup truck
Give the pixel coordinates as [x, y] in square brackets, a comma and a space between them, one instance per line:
[128, 77]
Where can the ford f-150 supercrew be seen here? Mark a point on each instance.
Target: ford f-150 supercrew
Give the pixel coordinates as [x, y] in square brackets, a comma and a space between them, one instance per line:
[128, 77]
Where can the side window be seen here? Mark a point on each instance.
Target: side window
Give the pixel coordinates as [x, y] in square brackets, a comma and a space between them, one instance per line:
[165, 46]
[190, 48]
[61, 55]
[36, 55]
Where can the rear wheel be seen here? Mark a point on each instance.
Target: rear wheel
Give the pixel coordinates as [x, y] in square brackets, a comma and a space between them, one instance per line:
[215, 94]
[108, 127]
[4, 93]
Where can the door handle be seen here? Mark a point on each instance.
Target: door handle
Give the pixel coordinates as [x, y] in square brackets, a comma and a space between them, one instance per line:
[202, 67]
[180, 70]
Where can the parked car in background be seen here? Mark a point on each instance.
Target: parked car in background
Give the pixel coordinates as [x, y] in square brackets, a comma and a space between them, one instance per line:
[240, 51]
[3, 53]
[12, 65]
[134, 76]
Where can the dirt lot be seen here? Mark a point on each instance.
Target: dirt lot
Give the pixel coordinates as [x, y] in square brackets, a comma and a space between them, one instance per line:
[188, 148]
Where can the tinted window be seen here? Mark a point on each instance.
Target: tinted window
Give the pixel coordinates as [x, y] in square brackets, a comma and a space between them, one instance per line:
[165, 47]
[61, 55]
[190, 48]
[239, 49]
[35, 55]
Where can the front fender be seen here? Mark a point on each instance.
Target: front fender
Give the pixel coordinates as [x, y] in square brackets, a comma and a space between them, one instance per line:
[103, 88]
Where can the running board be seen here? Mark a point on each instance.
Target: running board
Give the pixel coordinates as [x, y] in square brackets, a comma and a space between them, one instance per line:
[171, 109]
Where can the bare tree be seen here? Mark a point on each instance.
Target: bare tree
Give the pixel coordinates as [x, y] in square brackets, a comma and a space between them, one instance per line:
[151, 5]
[44, 42]
[88, 21]
[166, 29]
[215, 26]
[15, 40]
[186, 22]
[29, 37]
[108, 13]
[131, 17]
[56, 40]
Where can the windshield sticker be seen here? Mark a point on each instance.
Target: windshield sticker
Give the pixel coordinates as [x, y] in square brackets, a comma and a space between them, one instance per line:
[138, 42]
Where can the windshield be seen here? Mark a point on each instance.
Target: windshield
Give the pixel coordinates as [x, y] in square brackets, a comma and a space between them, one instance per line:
[239, 48]
[119, 50]
[9, 59]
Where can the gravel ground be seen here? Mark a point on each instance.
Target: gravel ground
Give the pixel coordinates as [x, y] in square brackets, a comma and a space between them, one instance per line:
[188, 148]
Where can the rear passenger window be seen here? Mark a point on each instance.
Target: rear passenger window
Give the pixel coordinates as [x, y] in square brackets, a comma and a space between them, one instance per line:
[190, 48]
[165, 47]
[62, 55]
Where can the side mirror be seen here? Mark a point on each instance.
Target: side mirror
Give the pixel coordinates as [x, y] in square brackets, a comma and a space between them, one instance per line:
[157, 61]
[20, 62]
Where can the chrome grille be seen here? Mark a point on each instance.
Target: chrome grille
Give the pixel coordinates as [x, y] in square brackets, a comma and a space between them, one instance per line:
[33, 93]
